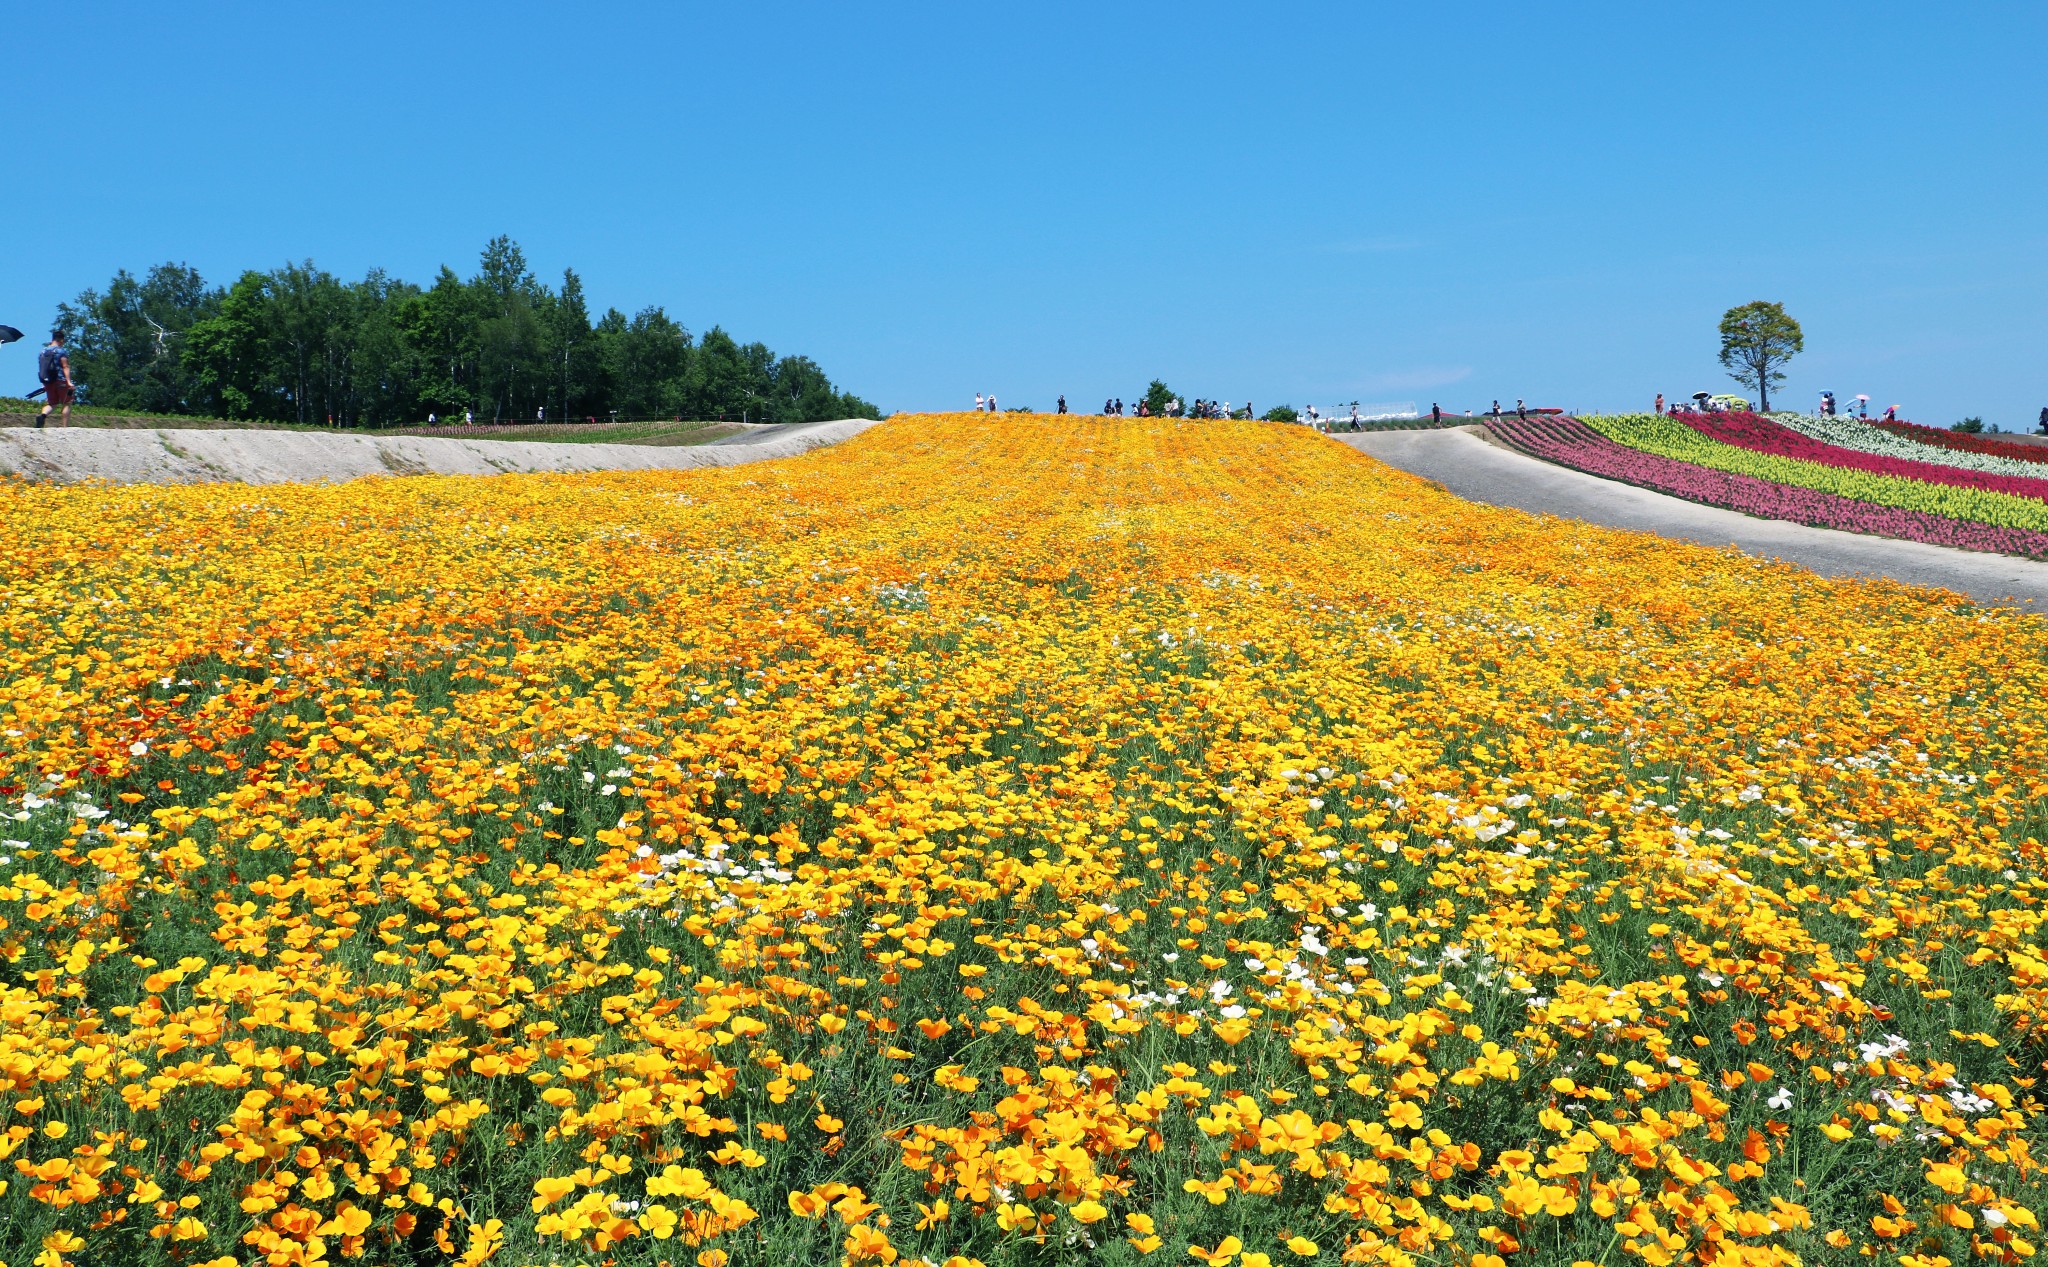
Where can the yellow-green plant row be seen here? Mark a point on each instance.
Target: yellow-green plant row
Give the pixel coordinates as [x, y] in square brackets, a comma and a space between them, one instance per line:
[1673, 439]
[1015, 841]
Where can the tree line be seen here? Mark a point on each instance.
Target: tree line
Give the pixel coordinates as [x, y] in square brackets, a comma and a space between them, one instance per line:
[298, 344]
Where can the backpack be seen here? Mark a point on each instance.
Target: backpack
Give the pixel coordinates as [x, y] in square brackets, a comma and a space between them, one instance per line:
[50, 365]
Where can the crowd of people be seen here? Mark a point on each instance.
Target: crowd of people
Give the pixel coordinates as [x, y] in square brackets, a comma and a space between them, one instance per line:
[1174, 407]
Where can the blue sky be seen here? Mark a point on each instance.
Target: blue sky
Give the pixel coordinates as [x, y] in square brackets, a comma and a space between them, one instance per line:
[1284, 202]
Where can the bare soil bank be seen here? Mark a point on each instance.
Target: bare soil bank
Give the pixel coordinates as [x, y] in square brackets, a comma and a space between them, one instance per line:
[177, 456]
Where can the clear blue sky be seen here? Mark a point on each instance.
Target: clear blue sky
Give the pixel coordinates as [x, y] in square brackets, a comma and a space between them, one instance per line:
[1286, 202]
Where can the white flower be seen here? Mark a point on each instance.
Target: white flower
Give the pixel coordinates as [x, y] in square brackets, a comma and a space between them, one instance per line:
[1171, 956]
[608, 789]
[1782, 1100]
[1231, 1013]
[139, 748]
[1368, 912]
[1994, 1217]
[1219, 990]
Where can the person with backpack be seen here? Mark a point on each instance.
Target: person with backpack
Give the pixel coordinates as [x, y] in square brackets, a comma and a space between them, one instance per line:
[53, 368]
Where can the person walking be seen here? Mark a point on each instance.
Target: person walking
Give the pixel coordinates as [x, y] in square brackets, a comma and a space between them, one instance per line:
[468, 418]
[53, 368]
[1520, 412]
[1436, 413]
[1660, 402]
[977, 402]
[991, 402]
[2044, 420]
[1496, 409]
[1063, 404]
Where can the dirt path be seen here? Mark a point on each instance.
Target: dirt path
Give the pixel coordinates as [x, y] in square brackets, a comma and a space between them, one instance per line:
[1468, 464]
[66, 455]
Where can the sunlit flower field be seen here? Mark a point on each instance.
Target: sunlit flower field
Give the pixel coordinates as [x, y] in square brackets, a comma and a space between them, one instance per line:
[1013, 840]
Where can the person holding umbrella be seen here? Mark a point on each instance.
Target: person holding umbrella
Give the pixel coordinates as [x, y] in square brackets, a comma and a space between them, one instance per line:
[1863, 406]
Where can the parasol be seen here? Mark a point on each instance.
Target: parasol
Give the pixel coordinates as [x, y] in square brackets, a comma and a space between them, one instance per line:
[8, 334]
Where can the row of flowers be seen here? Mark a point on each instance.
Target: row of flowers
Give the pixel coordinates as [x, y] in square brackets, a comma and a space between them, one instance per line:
[1759, 434]
[1869, 438]
[1569, 442]
[1670, 437]
[1963, 442]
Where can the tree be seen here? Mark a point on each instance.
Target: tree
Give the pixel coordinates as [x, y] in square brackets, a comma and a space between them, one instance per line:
[1281, 413]
[127, 345]
[1157, 396]
[1756, 341]
[297, 344]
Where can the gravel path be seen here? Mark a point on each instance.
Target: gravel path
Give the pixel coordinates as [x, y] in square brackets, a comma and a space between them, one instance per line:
[69, 454]
[1466, 461]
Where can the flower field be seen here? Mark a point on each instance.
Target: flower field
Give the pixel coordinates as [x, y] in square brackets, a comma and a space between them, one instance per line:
[1019, 841]
[1570, 442]
[1864, 437]
[1763, 435]
[1839, 472]
[1962, 442]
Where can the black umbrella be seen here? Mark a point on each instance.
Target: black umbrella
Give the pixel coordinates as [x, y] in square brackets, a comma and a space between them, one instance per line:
[8, 334]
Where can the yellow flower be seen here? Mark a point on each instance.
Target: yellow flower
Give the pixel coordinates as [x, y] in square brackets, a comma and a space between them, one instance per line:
[1015, 1217]
[658, 1221]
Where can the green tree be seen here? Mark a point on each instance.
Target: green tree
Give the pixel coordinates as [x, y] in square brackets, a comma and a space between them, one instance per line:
[127, 344]
[297, 344]
[1157, 396]
[1756, 341]
[1280, 413]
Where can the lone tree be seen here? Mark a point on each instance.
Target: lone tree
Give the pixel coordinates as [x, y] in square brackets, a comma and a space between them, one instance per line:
[1756, 341]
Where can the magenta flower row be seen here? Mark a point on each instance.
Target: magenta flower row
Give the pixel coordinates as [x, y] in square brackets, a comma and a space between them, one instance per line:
[1571, 443]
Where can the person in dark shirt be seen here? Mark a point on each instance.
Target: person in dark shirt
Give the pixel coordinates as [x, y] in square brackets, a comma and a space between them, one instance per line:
[53, 367]
[1063, 404]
